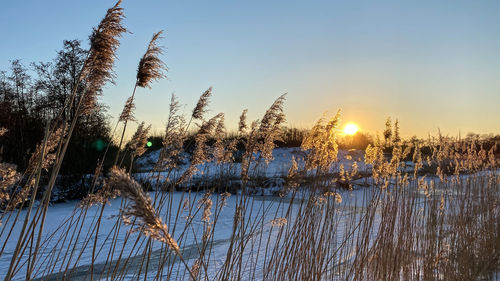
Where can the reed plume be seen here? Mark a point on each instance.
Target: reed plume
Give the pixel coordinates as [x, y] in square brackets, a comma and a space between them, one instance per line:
[201, 107]
[292, 175]
[8, 177]
[242, 124]
[279, 222]
[139, 139]
[321, 142]
[101, 197]
[49, 156]
[206, 203]
[337, 196]
[103, 45]
[140, 208]
[270, 128]
[262, 135]
[128, 111]
[223, 201]
[219, 148]
[207, 129]
[249, 149]
[274, 116]
[224, 153]
[195, 269]
[173, 141]
[151, 67]
[141, 211]
[200, 153]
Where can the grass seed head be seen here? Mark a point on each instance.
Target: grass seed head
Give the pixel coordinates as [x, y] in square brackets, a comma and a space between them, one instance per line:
[103, 46]
[201, 106]
[151, 67]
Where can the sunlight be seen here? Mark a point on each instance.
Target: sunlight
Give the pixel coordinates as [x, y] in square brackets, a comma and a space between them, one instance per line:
[351, 129]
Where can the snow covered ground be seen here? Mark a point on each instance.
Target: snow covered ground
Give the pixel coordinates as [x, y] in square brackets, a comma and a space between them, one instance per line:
[277, 168]
[64, 222]
[63, 218]
[265, 209]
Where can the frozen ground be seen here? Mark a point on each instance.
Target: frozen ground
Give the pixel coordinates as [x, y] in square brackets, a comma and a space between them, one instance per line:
[272, 173]
[63, 218]
[265, 209]
[278, 166]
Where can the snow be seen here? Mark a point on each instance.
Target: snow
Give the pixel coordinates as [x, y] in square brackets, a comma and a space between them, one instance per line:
[268, 207]
[278, 167]
[264, 210]
[264, 207]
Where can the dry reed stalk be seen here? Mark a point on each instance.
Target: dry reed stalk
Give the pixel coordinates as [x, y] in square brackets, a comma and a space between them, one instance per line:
[242, 124]
[103, 46]
[128, 111]
[200, 153]
[270, 128]
[97, 70]
[399, 236]
[196, 270]
[138, 143]
[201, 106]
[140, 208]
[262, 136]
[151, 67]
[219, 148]
[50, 151]
[8, 177]
[322, 143]
[22, 237]
[173, 141]
[101, 197]
[141, 211]
[206, 203]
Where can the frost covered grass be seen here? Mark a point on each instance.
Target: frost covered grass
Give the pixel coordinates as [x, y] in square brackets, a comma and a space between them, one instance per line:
[392, 212]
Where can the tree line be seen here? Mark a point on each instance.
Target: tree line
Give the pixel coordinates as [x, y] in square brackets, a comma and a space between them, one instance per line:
[32, 95]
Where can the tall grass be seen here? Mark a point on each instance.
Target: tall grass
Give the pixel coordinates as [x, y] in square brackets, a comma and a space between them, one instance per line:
[436, 217]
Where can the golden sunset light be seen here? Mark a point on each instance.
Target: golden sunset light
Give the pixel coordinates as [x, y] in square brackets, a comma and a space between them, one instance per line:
[351, 129]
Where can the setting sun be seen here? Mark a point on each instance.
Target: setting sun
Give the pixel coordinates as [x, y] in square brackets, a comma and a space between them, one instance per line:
[351, 129]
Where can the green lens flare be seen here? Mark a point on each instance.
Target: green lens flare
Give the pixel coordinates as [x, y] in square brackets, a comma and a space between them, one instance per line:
[149, 144]
[99, 145]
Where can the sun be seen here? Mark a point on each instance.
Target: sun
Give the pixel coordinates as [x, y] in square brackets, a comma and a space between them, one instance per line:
[351, 129]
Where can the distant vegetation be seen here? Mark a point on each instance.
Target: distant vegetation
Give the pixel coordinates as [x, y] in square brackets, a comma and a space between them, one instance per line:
[35, 96]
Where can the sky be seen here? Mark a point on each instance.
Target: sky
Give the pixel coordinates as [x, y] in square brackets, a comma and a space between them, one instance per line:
[431, 64]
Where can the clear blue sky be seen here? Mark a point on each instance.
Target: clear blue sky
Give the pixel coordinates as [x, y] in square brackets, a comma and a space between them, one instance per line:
[432, 64]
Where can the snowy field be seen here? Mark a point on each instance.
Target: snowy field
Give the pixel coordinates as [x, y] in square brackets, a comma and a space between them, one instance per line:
[70, 229]
[265, 209]
[63, 218]
[273, 172]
